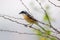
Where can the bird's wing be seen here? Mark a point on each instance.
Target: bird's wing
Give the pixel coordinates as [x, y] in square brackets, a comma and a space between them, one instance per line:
[32, 17]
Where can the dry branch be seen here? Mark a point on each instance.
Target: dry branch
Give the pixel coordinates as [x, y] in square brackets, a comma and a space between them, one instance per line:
[54, 4]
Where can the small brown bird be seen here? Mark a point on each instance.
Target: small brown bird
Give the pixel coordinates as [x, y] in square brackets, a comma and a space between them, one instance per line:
[30, 19]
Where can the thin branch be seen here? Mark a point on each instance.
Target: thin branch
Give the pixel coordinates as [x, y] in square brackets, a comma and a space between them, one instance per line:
[47, 17]
[17, 32]
[54, 4]
[55, 37]
[13, 20]
[2, 30]
[58, 0]
[10, 17]
[20, 32]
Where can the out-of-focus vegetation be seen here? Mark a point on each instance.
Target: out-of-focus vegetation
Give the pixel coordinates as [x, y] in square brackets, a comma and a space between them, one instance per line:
[47, 32]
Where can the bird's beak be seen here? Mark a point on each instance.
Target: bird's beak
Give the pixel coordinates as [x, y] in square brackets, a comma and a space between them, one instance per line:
[20, 13]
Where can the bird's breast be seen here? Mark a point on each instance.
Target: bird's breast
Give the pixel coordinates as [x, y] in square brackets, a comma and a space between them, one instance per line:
[28, 19]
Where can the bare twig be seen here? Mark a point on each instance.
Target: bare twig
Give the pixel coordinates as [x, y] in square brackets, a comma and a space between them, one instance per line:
[55, 37]
[58, 0]
[54, 4]
[2, 30]
[10, 17]
[19, 32]
[47, 17]
[13, 20]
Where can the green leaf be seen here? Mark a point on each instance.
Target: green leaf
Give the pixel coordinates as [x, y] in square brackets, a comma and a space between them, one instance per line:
[38, 32]
[45, 18]
[48, 32]
[53, 38]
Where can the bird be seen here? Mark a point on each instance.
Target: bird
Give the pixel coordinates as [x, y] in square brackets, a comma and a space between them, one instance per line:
[30, 19]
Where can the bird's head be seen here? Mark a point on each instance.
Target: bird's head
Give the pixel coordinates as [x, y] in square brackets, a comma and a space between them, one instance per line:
[23, 12]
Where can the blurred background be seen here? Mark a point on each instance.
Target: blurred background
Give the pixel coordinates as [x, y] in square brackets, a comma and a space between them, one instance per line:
[13, 7]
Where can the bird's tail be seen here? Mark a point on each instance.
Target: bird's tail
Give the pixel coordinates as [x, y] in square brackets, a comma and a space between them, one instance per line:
[40, 26]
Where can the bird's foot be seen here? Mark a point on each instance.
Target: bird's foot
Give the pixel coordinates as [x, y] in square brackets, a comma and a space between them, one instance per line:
[30, 25]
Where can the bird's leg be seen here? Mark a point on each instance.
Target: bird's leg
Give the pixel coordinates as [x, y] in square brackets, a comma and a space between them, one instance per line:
[30, 25]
